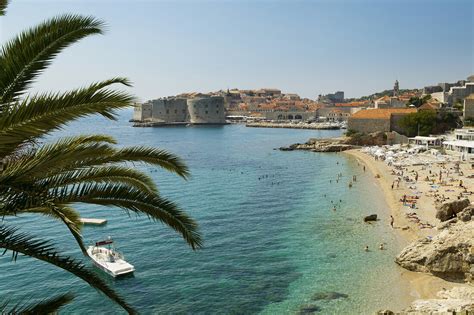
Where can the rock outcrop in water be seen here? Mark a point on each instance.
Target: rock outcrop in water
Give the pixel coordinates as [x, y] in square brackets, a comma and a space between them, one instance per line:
[321, 145]
[328, 296]
[448, 210]
[308, 309]
[448, 254]
[372, 217]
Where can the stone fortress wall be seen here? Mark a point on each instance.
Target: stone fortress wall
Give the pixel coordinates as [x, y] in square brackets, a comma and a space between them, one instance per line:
[170, 110]
[180, 110]
[206, 110]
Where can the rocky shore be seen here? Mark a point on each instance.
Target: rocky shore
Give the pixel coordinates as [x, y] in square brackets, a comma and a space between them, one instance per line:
[321, 145]
[458, 300]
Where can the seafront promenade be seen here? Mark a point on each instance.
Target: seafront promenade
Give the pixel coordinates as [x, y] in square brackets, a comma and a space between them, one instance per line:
[301, 125]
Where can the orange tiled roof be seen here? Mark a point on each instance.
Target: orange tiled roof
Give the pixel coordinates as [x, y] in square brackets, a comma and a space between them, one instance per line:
[243, 106]
[351, 104]
[429, 106]
[385, 98]
[380, 113]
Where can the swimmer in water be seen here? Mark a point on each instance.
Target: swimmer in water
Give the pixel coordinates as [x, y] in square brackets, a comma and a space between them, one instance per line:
[366, 248]
[381, 246]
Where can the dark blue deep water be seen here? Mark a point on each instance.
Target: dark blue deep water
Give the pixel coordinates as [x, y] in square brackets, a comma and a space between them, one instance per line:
[272, 240]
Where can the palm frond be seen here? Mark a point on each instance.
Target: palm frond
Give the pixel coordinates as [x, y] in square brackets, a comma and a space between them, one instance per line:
[3, 7]
[69, 154]
[23, 58]
[65, 214]
[46, 306]
[37, 116]
[105, 174]
[135, 200]
[42, 250]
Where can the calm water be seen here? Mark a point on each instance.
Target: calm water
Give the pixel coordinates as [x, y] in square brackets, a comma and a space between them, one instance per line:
[272, 240]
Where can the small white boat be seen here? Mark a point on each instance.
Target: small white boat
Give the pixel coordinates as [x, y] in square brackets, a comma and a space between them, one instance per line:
[107, 258]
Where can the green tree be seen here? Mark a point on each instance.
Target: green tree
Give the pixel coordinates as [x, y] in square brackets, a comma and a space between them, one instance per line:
[420, 123]
[49, 179]
[418, 101]
[427, 122]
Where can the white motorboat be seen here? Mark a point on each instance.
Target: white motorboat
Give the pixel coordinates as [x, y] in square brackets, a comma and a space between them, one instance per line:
[106, 257]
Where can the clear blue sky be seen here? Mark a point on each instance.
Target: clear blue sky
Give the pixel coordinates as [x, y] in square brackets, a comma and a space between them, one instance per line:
[305, 47]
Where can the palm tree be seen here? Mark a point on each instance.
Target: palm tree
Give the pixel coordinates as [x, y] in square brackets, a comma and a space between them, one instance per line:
[50, 179]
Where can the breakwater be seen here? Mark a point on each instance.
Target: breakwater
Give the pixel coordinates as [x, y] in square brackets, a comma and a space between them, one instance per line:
[313, 126]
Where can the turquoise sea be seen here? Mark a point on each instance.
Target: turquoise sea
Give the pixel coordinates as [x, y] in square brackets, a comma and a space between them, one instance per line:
[273, 243]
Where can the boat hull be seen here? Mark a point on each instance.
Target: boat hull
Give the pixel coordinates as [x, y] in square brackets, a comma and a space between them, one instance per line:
[117, 268]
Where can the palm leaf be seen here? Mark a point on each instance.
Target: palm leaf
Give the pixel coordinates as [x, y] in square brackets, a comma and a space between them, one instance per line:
[3, 7]
[23, 58]
[69, 154]
[51, 305]
[42, 250]
[135, 200]
[36, 116]
[105, 174]
[65, 214]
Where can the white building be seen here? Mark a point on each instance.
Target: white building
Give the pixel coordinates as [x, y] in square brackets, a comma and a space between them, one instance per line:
[425, 141]
[462, 144]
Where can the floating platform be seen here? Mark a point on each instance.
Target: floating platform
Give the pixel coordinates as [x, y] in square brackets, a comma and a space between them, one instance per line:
[90, 221]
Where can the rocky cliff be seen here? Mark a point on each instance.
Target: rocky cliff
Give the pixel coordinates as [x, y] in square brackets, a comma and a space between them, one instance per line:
[458, 300]
[448, 254]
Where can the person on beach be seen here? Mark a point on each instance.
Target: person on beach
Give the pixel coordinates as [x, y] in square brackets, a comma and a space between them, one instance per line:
[393, 185]
[364, 168]
[392, 220]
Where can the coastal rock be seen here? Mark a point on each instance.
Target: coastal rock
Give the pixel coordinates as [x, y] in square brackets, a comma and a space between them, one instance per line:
[321, 145]
[385, 312]
[449, 210]
[308, 309]
[447, 254]
[454, 301]
[328, 296]
[372, 217]
[447, 224]
[466, 214]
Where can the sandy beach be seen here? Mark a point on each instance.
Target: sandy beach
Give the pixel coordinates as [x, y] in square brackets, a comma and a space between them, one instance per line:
[428, 190]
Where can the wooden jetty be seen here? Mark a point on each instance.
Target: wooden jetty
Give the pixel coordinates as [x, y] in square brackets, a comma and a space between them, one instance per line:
[90, 221]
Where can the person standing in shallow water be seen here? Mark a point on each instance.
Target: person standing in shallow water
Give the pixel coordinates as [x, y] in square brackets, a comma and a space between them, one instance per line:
[392, 220]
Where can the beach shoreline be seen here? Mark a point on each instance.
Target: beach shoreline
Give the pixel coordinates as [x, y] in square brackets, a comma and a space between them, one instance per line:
[420, 285]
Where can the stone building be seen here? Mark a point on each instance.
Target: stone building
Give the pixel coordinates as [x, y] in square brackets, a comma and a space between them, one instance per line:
[468, 111]
[142, 112]
[375, 120]
[451, 93]
[198, 109]
[206, 110]
[337, 97]
[389, 102]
